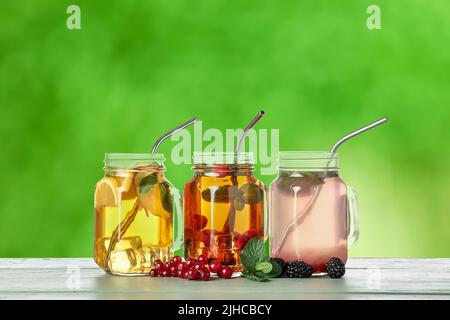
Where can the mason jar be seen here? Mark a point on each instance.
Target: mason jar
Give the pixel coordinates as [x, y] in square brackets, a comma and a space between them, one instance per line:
[313, 213]
[135, 211]
[224, 207]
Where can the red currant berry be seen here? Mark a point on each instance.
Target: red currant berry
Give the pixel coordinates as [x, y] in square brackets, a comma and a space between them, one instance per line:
[192, 274]
[181, 266]
[203, 259]
[176, 260]
[186, 274]
[165, 273]
[180, 274]
[204, 274]
[190, 262]
[226, 272]
[159, 265]
[214, 266]
[153, 273]
[199, 265]
[173, 270]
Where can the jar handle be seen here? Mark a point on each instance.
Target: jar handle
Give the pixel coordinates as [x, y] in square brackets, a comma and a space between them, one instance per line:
[352, 216]
[178, 228]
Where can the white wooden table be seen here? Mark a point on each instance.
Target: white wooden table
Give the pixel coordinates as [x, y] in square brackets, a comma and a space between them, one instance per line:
[365, 279]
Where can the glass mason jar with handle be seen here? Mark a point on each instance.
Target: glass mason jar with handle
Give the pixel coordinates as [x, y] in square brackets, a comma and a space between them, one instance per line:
[135, 211]
[313, 213]
[224, 207]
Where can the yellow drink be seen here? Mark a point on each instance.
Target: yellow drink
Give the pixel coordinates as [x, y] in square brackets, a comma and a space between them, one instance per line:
[133, 219]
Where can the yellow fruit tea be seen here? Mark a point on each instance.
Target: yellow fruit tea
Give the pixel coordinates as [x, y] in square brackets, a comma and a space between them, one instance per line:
[134, 214]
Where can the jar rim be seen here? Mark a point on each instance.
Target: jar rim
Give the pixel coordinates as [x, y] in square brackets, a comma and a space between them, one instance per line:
[211, 157]
[134, 156]
[308, 161]
[133, 160]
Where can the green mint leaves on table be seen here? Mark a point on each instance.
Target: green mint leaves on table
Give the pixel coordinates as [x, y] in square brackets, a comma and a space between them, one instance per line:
[257, 266]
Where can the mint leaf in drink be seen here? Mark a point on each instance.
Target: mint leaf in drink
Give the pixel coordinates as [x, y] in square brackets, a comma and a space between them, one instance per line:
[254, 248]
[265, 267]
[239, 203]
[147, 183]
[166, 196]
[252, 193]
[248, 262]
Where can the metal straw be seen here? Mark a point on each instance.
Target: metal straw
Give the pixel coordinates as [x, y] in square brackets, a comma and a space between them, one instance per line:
[356, 132]
[172, 132]
[247, 129]
[229, 222]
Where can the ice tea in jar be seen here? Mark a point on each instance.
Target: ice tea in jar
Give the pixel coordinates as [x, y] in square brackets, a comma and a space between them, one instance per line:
[135, 209]
[313, 213]
[224, 207]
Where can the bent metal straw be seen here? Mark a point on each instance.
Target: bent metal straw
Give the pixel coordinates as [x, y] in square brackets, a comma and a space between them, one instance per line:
[229, 222]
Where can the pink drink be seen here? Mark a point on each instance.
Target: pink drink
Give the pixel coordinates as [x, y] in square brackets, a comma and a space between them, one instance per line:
[308, 211]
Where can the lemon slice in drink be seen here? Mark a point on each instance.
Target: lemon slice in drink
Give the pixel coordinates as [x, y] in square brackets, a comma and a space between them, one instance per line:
[106, 193]
[125, 181]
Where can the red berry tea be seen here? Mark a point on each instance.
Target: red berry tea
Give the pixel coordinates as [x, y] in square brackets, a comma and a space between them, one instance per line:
[224, 208]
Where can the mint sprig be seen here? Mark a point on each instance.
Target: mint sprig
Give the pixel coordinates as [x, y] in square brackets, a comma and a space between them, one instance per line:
[257, 266]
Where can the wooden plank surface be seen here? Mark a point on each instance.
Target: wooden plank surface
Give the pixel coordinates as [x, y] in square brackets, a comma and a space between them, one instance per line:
[365, 279]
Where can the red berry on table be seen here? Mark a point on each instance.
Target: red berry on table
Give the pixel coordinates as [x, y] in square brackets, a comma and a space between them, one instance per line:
[181, 266]
[203, 259]
[199, 265]
[226, 272]
[159, 265]
[165, 273]
[192, 274]
[204, 274]
[173, 270]
[186, 274]
[176, 260]
[190, 262]
[214, 266]
[180, 273]
[153, 273]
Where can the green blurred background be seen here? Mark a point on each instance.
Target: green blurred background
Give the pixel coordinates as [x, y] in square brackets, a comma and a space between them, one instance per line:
[137, 68]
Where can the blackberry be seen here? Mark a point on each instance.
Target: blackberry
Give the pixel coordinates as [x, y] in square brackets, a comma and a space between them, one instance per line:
[335, 268]
[298, 269]
[281, 263]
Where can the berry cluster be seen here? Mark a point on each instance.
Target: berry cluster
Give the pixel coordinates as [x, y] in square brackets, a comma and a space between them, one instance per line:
[192, 269]
[300, 269]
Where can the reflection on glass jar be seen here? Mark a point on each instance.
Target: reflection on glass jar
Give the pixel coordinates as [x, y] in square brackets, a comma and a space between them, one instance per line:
[313, 213]
[224, 207]
[134, 214]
